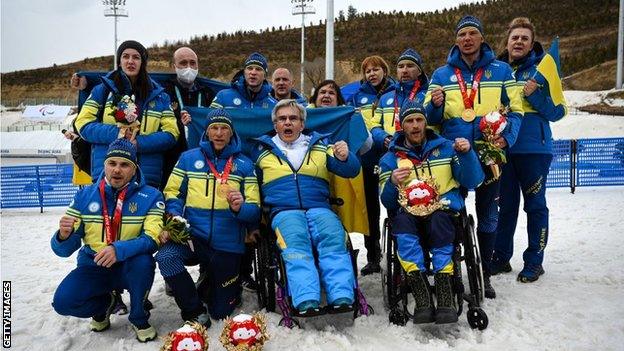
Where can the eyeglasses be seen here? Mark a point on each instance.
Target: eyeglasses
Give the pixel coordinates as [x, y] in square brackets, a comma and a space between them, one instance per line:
[283, 119]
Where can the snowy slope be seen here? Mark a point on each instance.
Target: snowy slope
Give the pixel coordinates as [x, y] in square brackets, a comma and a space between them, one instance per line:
[576, 305]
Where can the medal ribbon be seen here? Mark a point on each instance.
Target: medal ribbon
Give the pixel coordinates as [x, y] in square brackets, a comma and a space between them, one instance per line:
[111, 229]
[397, 122]
[181, 103]
[222, 177]
[468, 100]
[415, 162]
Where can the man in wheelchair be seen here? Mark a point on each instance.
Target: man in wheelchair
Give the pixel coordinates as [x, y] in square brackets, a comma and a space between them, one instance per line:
[420, 178]
[292, 166]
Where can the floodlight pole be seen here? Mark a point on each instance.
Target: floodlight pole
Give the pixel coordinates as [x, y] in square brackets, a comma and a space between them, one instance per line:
[114, 8]
[329, 41]
[300, 8]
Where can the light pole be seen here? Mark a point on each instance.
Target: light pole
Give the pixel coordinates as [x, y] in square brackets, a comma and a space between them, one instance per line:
[329, 41]
[620, 48]
[300, 8]
[114, 8]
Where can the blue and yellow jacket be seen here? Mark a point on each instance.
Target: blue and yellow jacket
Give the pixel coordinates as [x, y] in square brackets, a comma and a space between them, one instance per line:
[295, 95]
[158, 131]
[367, 100]
[497, 87]
[193, 192]
[284, 188]
[141, 221]
[384, 124]
[238, 95]
[535, 136]
[439, 160]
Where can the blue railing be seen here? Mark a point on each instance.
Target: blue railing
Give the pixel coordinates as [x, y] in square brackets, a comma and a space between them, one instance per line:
[582, 162]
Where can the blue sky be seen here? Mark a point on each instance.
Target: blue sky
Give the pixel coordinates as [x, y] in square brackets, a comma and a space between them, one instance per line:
[39, 33]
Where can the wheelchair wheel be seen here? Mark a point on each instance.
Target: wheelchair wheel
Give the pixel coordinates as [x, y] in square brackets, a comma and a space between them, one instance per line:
[264, 270]
[473, 261]
[477, 318]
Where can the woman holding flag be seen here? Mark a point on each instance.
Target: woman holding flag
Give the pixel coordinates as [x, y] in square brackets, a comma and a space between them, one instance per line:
[528, 160]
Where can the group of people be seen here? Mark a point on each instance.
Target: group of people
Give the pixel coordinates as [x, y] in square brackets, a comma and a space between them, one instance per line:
[419, 128]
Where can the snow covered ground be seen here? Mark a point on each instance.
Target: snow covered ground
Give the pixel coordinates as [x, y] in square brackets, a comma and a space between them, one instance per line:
[577, 305]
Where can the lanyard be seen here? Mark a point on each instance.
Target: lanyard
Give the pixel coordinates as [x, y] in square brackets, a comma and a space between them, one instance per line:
[417, 163]
[179, 96]
[412, 94]
[468, 100]
[222, 177]
[112, 228]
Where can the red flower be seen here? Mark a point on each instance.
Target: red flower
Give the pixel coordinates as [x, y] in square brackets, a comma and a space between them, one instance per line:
[120, 116]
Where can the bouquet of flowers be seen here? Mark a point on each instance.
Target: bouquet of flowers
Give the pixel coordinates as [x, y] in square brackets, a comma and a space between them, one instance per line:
[125, 114]
[491, 126]
[179, 229]
[420, 197]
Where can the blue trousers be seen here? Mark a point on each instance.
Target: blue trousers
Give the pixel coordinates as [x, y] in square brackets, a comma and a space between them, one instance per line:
[524, 173]
[486, 205]
[436, 232]
[223, 281]
[299, 233]
[85, 292]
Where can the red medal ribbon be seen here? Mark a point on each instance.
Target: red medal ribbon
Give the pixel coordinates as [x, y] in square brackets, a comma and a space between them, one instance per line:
[468, 100]
[112, 228]
[415, 162]
[222, 177]
[397, 122]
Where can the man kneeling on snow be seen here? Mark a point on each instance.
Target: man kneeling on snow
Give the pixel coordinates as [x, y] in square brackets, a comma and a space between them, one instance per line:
[118, 218]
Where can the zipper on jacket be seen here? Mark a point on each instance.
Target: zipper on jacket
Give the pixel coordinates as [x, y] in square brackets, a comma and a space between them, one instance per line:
[543, 134]
[298, 190]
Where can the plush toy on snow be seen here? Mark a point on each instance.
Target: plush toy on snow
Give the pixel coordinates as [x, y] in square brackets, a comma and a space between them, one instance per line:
[191, 337]
[244, 332]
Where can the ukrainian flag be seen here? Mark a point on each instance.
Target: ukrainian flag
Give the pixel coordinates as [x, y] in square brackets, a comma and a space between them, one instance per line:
[549, 72]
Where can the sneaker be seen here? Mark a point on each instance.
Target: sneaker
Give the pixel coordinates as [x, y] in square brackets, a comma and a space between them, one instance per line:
[101, 322]
[530, 273]
[145, 332]
[370, 268]
[249, 284]
[488, 289]
[500, 267]
[308, 308]
[203, 319]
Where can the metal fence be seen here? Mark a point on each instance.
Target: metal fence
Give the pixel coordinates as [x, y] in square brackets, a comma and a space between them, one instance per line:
[582, 162]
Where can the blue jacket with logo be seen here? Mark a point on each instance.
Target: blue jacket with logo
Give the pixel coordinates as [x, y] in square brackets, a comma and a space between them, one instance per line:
[497, 87]
[194, 193]
[238, 95]
[284, 188]
[438, 159]
[141, 221]
[384, 125]
[158, 131]
[535, 136]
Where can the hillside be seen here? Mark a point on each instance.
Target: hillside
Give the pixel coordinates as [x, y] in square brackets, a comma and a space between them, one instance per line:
[588, 32]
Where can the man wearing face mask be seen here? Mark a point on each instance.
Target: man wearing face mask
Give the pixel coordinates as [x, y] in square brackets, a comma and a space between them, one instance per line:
[184, 91]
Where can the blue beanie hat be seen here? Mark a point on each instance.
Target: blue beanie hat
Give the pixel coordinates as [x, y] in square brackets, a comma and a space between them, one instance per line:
[469, 21]
[257, 59]
[412, 55]
[219, 116]
[410, 107]
[122, 148]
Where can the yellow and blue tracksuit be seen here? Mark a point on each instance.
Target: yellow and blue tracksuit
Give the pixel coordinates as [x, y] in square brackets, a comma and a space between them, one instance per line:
[85, 292]
[238, 96]
[367, 100]
[158, 131]
[528, 162]
[497, 87]
[450, 170]
[384, 124]
[217, 232]
[303, 220]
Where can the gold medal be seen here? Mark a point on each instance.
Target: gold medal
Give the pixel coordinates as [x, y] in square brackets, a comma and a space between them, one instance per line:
[224, 188]
[468, 115]
[405, 163]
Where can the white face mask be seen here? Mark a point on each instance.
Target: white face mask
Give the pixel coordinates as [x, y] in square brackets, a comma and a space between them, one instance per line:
[186, 75]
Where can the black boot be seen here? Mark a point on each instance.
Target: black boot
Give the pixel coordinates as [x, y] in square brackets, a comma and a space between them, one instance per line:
[488, 289]
[446, 311]
[423, 312]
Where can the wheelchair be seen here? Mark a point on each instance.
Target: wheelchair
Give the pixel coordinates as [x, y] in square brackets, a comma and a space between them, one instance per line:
[397, 295]
[270, 272]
